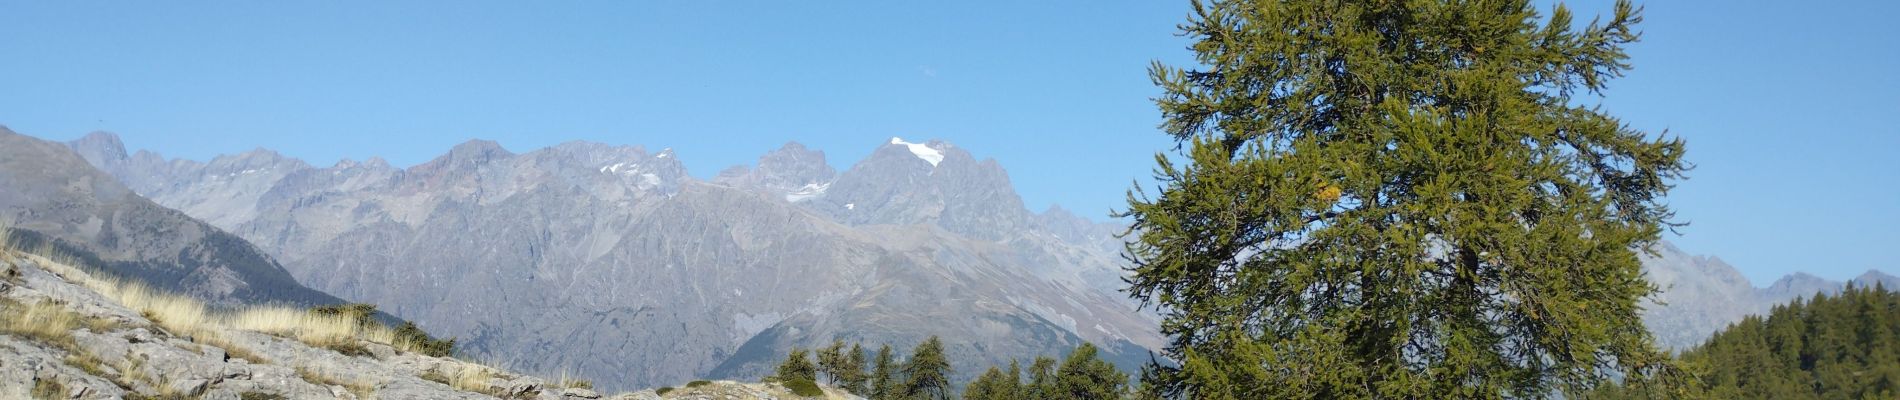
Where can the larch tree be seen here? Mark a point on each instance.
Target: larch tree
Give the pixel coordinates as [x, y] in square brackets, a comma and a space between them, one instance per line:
[831, 361]
[856, 379]
[1085, 376]
[797, 366]
[885, 385]
[1399, 199]
[927, 372]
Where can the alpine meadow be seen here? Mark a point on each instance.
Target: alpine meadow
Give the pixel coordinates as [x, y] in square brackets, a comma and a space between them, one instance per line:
[856, 200]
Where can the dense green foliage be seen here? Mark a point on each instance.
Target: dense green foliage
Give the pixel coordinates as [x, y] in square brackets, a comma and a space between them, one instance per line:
[1398, 199]
[927, 372]
[926, 375]
[1830, 347]
[804, 387]
[993, 385]
[797, 366]
[1085, 376]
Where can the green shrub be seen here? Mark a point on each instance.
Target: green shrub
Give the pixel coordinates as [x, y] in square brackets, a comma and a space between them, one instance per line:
[804, 387]
[356, 311]
[421, 342]
[663, 390]
[698, 383]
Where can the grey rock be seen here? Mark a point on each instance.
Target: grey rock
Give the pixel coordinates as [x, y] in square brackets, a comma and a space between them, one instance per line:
[609, 262]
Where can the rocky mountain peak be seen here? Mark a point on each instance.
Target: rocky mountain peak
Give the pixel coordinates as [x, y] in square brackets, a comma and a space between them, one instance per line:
[932, 183]
[1872, 277]
[476, 151]
[793, 171]
[100, 147]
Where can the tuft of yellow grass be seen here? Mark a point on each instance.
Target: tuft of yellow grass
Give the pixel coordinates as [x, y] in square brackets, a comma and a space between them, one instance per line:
[44, 321]
[471, 378]
[307, 327]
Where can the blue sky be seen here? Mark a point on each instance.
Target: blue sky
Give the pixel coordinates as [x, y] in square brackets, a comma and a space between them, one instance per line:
[1788, 107]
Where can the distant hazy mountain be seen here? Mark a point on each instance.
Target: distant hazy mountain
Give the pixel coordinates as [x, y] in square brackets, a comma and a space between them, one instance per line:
[608, 261]
[612, 263]
[50, 196]
[1702, 295]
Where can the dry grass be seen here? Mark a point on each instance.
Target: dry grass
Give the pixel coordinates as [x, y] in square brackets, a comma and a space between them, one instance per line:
[568, 381]
[234, 350]
[86, 362]
[330, 331]
[188, 317]
[48, 389]
[472, 378]
[44, 321]
[362, 389]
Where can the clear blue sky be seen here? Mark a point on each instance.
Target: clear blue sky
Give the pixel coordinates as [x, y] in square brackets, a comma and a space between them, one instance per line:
[1789, 107]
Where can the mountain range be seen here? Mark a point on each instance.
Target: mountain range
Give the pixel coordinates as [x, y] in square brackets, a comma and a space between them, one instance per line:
[615, 264]
[604, 261]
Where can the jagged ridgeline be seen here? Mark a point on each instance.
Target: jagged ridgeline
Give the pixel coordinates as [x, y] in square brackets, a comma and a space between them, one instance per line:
[606, 261]
[1830, 346]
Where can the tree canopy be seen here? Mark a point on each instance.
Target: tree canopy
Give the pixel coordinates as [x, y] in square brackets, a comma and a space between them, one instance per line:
[1399, 199]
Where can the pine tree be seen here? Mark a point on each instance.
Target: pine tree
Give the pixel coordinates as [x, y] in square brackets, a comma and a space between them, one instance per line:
[1016, 389]
[1083, 376]
[927, 372]
[1399, 199]
[855, 378]
[992, 385]
[885, 385]
[797, 366]
[1042, 379]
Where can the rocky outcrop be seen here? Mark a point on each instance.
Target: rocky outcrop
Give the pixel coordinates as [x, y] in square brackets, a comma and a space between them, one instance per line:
[119, 353]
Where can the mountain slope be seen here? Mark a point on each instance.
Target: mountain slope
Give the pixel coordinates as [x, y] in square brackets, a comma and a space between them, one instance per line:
[606, 260]
[52, 197]
[68, 335]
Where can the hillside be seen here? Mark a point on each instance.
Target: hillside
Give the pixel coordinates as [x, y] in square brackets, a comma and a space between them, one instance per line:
[53, 199]
[69, 335]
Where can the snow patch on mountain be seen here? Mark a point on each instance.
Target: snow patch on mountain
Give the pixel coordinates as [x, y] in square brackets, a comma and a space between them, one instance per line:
[807, 192]
[922, 151]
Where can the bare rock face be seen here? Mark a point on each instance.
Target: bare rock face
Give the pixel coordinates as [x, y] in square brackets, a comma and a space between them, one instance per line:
[612, 263]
